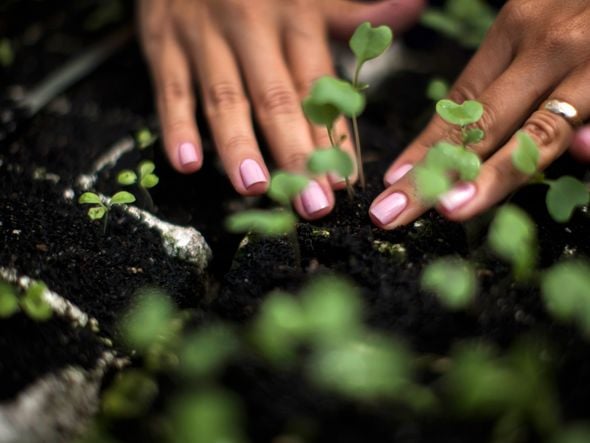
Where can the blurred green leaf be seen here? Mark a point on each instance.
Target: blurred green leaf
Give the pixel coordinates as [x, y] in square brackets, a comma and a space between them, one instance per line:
[431, 183]
[338, 93]
[146, 167]
[513, 236]
[473, 135]
[577, 433]
[453, 280]
[149, 181]
[437, 89]
[285, 186]
[34, 304]
[470, 111]
[89, 198]
[130, 395]
[144, 138]
[6, 53]
[320, 114]
[322, 161]
[564, 196]
[370, 42]
[8, 300]
[525, 157]
[270, 222]
[126, 177]
[97, 212]
[204, 352]
[122, 197]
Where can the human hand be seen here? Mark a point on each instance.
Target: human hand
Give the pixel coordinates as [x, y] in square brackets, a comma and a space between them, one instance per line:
[536, 50]
[255, 55]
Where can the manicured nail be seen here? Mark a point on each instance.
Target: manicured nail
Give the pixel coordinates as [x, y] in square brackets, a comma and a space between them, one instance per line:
[313, 198]
[397, 174]
[457, 196]
[251, 173]
[335, 179]
[389, 208]
[187, 153]
[581, 141]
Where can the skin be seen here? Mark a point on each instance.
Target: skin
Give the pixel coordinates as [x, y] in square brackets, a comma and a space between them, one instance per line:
[252, 59]
[537, 49]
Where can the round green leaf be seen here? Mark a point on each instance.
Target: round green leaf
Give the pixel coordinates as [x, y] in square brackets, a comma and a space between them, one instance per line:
[340, 94]
[34, 304]
[122, 197]
[271, 223]
[130, 395]
[89, 198]
[96, 212]
[333, 159]
[525, 157]
[144, 138]
[470, 111]
[149, 181]
[368, 42]
[285, 186]
[566, 194]
[205, 352]
[8, 300]
[126, 177]
[437, 89]
[146, 167]
[453, 280]
[324, 115]
[431, 182]
[473, 135]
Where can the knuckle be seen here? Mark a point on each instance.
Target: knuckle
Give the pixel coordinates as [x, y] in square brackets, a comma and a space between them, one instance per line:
[489, 118]
[279, 100]
[174, 90]
[223, 95]
[294, 161]
[238, 143]
[465, 91]
[519, 13]
[177, 126]
[545, 127]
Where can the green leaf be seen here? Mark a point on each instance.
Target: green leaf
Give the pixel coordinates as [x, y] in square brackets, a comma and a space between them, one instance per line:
[332, 159]
[564, 196]
[144, 138]
[437, 89]
[205, 352]
[150, 321]
[8, 300]
[473, 135]
[97, 212]
[122, 197]
[6, 53]
[525, 157]
[149, 181]
[453, 280]
[130, 395]
[34, 304]
[450, 158]
[566, 291]
[579, 433]
[285, 186]
[272, 223]
[146, 167]
[126, 177]
[320, 114]
[89, 198]
[368, 42]
[431, 182]
[513, 236]
[470, 111]
[338, 93]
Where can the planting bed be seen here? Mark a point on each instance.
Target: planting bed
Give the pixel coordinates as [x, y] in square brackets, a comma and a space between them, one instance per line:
[62, 364]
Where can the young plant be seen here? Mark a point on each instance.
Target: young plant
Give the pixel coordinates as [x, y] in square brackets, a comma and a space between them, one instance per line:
[144, 138]
[144, 178]
[101, 207]
[32, 302]
[434, 176]
[453, 280]
[330, 98]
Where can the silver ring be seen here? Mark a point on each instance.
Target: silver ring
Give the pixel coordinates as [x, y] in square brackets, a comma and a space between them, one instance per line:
[564, 110]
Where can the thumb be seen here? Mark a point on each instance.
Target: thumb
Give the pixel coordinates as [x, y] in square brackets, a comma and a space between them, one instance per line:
[343, 16]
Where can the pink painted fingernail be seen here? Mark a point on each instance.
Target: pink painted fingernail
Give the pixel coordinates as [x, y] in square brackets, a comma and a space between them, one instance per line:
[581, 141]
[389, 208]
[457, 196]
[251, 173]
[397, 174]
[187, 154]
[335, 179]
[313, 198]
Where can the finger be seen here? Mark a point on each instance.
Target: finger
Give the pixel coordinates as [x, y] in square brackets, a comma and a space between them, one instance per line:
[175, 102]
[498, 177]
[279, 113]
[580, 148]
[343, 16]
[227, 109]
[309, 58]
[490, 62]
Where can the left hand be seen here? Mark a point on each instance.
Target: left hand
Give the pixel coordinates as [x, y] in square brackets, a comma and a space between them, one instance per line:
[536, 50]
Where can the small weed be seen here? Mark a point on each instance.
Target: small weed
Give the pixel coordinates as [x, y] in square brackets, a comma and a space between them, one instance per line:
[101, 207]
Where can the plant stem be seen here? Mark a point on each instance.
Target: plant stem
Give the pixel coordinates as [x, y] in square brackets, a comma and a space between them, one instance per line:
[148, 198]
[355, 131]
[349, 189]
[104, 223]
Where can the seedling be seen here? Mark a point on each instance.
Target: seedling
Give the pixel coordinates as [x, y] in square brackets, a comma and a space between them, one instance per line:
[32, 302]
[144, 138]
[144, 178]
[102, 206]
[131, 394]
[8, 300]
[453, 280]
[330, 98]
[466, 21]
[437, 89]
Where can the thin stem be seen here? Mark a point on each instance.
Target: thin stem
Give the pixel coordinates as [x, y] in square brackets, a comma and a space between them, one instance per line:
[337, 146]
[148, 198]
[355, 130]
[104, 223]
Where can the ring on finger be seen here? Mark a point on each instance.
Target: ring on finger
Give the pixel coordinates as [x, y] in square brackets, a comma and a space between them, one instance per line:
[564, 110]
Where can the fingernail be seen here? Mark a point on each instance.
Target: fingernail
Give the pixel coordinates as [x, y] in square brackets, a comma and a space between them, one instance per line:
[397, 174]
[457, 196]
[389, 208]
[251, 173]
[187, 153]
[335, 179]
[581, 140]
[313, 198]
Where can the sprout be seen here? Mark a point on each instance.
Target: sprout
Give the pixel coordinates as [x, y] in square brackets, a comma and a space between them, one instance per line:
[130, 395]
[470, 111]
[144, 138]
[104, 205]
[564, 196]
[145, 179]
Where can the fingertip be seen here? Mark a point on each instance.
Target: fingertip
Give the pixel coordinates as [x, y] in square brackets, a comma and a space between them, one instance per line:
[251, 177]
[580, 147]
[315, 201]
[186, 157]
[387, 207]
